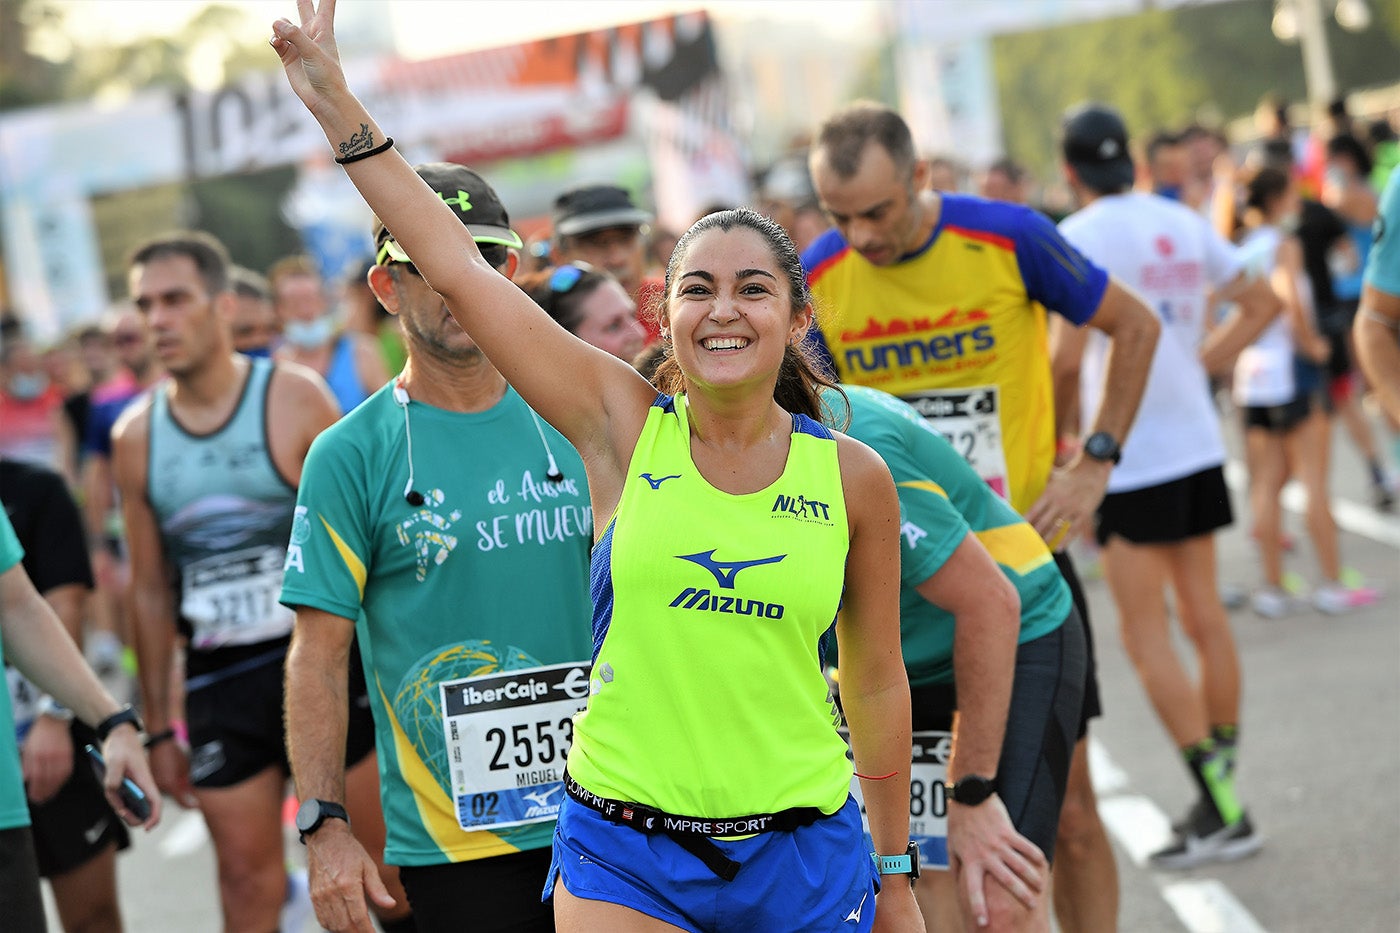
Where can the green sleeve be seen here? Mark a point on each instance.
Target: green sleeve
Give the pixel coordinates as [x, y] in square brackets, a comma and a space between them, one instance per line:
[330, 553]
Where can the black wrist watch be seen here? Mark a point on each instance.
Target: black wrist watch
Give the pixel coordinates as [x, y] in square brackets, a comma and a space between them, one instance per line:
[906, 864]
[313, 813]
[122, 716]
[972, 789]
[1102, 446]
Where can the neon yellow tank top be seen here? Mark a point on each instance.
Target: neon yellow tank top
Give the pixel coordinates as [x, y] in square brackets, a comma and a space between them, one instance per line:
[708, 698]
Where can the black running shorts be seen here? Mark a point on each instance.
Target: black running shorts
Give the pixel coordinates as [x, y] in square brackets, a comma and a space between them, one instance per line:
[1042, 727]
[1093, 704]
[75, 824]
[500, 894]
[233, 710]
[1168, 513]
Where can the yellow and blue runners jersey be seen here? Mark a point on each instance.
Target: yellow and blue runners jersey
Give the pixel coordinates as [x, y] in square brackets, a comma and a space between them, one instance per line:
[955, 330]
[707, 694]
[941, 502]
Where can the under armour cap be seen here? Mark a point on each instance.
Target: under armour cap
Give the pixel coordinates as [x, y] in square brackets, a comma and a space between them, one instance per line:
[467, 193]
[1095, 143]
[596, 207]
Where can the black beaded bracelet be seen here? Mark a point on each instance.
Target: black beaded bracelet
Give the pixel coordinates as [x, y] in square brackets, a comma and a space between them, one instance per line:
[357, 156]
[122, 716]
[153, 740]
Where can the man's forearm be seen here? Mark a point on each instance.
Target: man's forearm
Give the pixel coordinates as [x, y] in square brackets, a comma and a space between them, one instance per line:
[984, 665]
[317, 710]
[36, 643]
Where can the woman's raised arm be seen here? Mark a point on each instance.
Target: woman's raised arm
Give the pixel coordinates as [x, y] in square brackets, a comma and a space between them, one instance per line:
[594, 399]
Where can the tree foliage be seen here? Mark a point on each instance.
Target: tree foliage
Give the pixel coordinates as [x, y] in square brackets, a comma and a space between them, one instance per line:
[1138, 64]
[41, 64]
[1163, 68]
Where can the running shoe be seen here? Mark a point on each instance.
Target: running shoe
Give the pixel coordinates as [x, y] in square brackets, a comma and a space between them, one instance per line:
[1208, 840]
[1200, 811]
[1272, 602]
[1233, 596]
[1338, 598]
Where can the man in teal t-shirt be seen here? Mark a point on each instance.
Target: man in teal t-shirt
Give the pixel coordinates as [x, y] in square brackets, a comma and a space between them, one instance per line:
[982, 626]
[450, 527]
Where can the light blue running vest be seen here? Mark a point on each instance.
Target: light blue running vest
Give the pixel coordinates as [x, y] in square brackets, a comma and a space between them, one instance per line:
[225, 516]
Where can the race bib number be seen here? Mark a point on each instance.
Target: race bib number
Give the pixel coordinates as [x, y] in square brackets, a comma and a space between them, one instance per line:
[928, 798]
[507, 736]
[231, 599]
[970, 420]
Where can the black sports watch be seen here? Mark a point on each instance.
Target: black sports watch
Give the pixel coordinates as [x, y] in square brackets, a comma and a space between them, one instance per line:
[313, 813]
[123, 716]
[1102, 446]
[972, 789]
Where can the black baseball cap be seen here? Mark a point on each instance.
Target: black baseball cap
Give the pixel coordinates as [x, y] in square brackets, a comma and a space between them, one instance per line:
[1094, 141]
[467, 193]
[596, 207]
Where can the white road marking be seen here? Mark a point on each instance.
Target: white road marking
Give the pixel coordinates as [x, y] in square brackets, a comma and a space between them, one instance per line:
[186, 837]
[1350, 516]
[1203, 905]
[1207, 906]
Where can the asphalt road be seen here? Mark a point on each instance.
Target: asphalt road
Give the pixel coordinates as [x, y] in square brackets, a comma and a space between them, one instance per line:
[1319, 766]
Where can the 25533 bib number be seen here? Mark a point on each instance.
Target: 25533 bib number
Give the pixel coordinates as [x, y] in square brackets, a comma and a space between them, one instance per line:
[507, 737]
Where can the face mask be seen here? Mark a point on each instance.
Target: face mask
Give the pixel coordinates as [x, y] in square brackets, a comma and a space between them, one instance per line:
[27, 387]
[1170, 192]
[1288, 223]
[308, 335]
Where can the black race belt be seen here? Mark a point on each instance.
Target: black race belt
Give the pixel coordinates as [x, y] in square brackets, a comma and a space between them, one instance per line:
[693, 833]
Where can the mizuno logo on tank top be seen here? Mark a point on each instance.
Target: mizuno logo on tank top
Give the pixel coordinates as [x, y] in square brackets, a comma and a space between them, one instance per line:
[656, 483]
[725, 572]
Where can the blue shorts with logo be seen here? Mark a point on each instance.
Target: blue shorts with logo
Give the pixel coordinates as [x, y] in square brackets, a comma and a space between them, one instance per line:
[818, 877]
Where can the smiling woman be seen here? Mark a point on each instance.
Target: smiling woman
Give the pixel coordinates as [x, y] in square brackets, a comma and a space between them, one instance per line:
[693, 712]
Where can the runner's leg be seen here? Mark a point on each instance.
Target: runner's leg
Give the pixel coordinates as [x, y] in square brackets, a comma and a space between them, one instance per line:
[1206, 623]
[1137, 576]
[245, 823]
[1085, 875]
[86, 896]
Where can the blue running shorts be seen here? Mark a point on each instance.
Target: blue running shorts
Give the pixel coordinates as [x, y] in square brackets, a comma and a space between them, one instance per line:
[818, 877]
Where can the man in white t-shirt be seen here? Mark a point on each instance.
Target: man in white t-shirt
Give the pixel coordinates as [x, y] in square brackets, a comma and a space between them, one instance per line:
[1166, 495]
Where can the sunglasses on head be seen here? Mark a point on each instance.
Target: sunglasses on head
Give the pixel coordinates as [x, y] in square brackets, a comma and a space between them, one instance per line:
[565, 278]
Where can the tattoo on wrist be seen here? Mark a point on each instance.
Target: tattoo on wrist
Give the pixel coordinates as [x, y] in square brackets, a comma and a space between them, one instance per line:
[359, 142]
